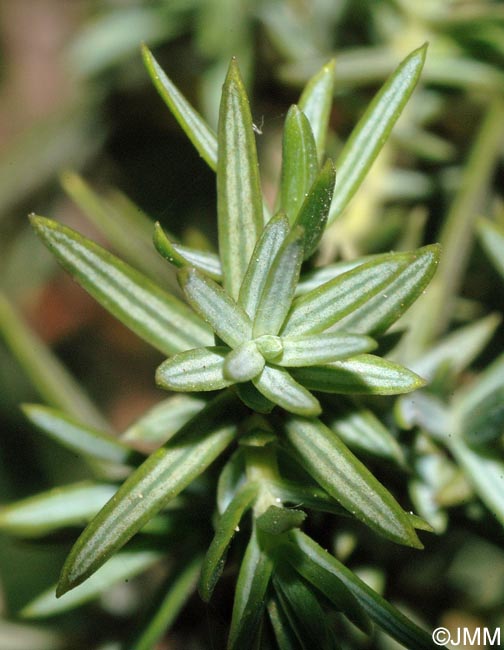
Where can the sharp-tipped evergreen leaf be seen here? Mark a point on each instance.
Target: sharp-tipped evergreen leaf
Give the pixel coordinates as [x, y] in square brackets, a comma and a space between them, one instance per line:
[180, 590]
[227, 526]
[315, 102]
[156, 316]
[365, 374]
[280, 285]
[379, 312]
[159, 479]
[319, 562]
[331, 586]
[362, 431]
[312, 215]
[71, 505]
[492, 238]
[180, 256]
[277, 520]
[250, 595]
[79, 438]
[311, 350]
[345, 478]
[119, 568]
[279, 387]
[373, 129]
[50, 378]
[303, 610]
[272, 238]
[244, 362]
[196, 129]
[227, 318]
[324, 306]
[239, 199]
[201, 369]
[164, 419]
[299, 162]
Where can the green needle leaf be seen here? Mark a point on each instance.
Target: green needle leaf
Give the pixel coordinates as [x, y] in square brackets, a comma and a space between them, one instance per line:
[196, 129]
[180, 256]
[315, 102]
[279, 387]
[239, 199]
[373, 129]
[345, 478]
[162, 476]
[364, 374]
[311, 350]
[244, 362]
[299, 162]
[312, 215]
[225, 317]
[272, 238]
[71, 505]
[159, 318]
[362, 431]
[332, 587]
[280, 285]
[250, 595]
[390, 619]
[320, 308]
[380, 311]
[79, 438]
[227, 526]
[201, 369]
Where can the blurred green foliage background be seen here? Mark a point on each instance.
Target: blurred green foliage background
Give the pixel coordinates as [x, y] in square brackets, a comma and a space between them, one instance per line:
[75, 98]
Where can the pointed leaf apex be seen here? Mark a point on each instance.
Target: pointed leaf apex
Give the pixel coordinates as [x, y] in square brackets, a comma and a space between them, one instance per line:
[234, 71]
[330, 66]
[63, 586]
[37, 221]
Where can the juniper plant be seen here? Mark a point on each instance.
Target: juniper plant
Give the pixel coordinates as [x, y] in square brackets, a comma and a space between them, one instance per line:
[274, 334]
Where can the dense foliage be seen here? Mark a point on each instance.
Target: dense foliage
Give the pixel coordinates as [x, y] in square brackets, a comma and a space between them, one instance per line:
[282, 469]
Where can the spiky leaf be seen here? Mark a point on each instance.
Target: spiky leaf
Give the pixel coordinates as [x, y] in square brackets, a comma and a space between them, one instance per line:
[161, 319]
[239, 199]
